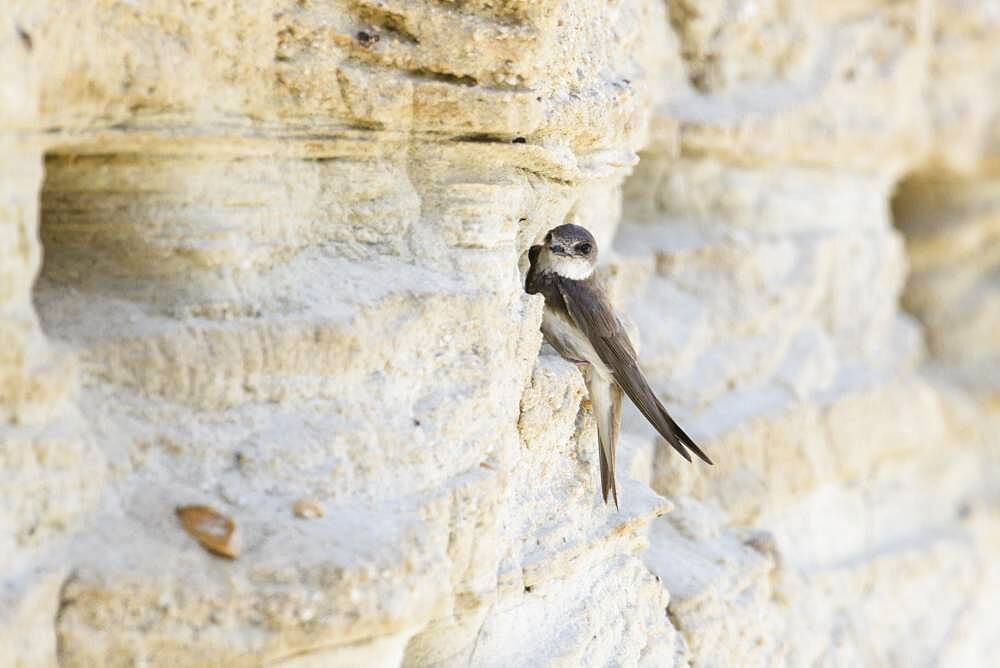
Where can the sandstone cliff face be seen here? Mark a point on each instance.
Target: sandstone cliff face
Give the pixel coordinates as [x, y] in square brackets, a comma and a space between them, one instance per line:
[258, 253]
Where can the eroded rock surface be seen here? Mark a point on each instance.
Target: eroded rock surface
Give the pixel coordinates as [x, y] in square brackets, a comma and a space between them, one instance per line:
[256, 253]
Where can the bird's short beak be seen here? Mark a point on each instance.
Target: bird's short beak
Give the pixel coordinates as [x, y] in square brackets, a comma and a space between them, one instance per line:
[557, 249]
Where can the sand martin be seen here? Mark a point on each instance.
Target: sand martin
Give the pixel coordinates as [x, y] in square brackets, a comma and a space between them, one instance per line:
[580, 323]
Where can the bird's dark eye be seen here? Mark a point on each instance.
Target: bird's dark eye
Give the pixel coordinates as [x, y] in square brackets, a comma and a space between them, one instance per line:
[584, 248]
[548, 237]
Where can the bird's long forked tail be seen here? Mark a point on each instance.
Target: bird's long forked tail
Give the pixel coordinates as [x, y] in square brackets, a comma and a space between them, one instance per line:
[606, 401]
[641, 394]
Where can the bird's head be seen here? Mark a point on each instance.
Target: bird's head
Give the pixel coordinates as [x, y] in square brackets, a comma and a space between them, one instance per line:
[570, 251]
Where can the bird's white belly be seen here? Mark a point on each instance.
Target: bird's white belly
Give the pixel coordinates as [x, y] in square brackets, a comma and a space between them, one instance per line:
[569, 341]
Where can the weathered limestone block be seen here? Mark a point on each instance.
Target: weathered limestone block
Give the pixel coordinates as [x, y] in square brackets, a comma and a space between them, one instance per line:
[722, 597]
[335, 394]
[765, 280]
[281, 245]
[777, 82]
[794, 293]
[725, 44]
[568, 570]
[50, 473]
[26, 389]
[963, 69]
[948, 210]
[950, 207]
[281, 249]
[737, 601]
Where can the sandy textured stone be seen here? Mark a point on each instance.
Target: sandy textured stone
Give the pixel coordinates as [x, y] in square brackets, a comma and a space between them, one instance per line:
[261, 229]
[765, 276]
[258, 253]
[950, 207]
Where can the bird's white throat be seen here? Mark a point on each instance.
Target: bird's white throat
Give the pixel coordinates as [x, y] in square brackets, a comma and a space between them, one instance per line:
[573, 268]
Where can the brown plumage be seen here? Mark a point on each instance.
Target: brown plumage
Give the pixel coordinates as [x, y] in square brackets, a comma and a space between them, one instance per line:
[580, 323]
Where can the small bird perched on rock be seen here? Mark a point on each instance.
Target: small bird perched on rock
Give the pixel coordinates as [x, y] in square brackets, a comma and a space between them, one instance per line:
[583, 327]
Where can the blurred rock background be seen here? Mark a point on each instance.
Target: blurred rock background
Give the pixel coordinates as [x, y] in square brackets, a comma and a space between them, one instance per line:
[265, 257]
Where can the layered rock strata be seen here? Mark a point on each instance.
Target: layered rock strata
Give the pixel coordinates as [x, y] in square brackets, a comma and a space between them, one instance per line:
[266, 259]
[765, 274]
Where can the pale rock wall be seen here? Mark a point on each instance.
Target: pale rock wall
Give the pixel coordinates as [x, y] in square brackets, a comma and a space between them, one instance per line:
[281, 249]
[949, 207]
[850, 518]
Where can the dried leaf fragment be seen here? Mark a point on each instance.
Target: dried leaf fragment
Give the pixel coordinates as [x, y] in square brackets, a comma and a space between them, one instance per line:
[308, 509]
[216, 532]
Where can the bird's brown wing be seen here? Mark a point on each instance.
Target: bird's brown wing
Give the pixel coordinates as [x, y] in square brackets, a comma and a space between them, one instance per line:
[590, 310]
